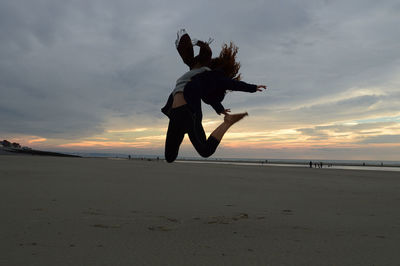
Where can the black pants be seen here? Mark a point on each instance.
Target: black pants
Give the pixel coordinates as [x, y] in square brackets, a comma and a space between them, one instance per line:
[182, 121]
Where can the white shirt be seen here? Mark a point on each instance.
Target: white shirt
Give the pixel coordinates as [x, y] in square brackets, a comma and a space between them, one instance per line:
[185, 78]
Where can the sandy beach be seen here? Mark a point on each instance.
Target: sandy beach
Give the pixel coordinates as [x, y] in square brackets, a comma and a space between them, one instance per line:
[92, 211]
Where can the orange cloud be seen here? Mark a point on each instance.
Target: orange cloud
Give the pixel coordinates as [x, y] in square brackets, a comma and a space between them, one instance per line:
[127, 130]
[26, 140]
[100, 144]
[36, 140]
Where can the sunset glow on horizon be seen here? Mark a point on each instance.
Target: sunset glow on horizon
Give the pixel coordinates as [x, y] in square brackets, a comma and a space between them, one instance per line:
[347, 135]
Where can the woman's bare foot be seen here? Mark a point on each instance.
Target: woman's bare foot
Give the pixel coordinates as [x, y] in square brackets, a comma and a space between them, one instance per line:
[233, 118]
[229, 120]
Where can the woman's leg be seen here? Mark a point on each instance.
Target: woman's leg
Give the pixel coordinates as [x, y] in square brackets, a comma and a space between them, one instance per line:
[206, 147]
[175, 135]
[229, 120]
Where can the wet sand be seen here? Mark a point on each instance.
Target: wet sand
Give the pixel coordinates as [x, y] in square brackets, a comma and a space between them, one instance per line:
[84, 211]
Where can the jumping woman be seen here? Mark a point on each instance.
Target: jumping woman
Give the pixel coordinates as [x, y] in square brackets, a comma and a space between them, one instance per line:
[208, 80]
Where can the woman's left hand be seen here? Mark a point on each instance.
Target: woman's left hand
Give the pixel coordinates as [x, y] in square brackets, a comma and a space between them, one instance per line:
[260, 87]
[226, 111]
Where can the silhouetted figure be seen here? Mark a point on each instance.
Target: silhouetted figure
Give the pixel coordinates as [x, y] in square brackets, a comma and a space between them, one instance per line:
[207, 81]
[310, 164]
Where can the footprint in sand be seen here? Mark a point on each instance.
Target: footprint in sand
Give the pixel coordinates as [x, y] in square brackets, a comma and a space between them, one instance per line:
[28, 244]
[106, 226]
[240, 216]
[227, 220]
[159, 228]
[169, 219]
[92, 213]
[287, 212]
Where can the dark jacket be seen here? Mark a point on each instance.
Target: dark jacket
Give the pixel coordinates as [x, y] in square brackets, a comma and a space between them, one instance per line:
[209, 86]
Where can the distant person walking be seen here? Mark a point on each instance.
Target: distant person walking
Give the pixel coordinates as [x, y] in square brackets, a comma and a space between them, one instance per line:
[208, 80]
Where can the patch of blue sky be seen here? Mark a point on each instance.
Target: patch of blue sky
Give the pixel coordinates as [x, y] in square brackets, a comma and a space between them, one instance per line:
[380, 119]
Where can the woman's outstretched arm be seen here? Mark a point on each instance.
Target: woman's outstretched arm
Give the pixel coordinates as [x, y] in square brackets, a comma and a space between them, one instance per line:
[235, 85]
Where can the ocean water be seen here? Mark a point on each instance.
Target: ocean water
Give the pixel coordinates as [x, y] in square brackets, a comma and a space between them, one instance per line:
[326, 164]
[305, 163]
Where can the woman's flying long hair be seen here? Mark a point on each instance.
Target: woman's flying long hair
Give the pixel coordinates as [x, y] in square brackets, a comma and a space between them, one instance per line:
[226, 61]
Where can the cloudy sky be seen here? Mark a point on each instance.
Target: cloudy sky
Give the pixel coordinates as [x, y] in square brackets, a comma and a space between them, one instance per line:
[92, 75]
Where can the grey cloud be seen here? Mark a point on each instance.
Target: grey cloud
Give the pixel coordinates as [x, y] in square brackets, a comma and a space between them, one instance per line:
[366, 129]
[47, 116]
[335, 111]
[313, 133]
[24, 25]
[330, 54]
[67, 66]
[395, 139]
[357, 128]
